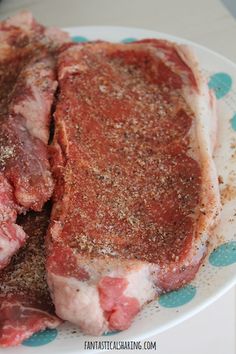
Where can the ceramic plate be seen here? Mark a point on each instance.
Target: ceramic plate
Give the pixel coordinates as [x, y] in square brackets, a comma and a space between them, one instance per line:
[218, 272]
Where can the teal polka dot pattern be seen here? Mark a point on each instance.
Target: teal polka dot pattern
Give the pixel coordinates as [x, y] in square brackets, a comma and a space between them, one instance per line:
[129, 40]
[178, 297]
[41, 338]
[221, 83]
[233, 122]
[110, 333]
[80, 39]
[224, 255]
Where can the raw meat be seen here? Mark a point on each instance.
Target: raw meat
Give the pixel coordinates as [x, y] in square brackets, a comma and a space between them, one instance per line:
[25, 303]
[27, 87]
[136, 196]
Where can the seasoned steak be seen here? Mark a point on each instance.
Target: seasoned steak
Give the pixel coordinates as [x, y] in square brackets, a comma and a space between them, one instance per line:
[25, 303]
[27, 87]
[136, 194]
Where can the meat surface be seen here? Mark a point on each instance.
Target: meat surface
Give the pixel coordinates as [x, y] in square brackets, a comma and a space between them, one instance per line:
[136, 196]
[25, 303]
[27, 87]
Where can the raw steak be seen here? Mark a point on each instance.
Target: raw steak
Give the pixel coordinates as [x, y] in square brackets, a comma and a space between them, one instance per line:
[136, 195]
[25, 304]
[27, 87]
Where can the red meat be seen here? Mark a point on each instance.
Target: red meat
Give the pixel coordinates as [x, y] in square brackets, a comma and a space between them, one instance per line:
[136, 195]
[27, 87]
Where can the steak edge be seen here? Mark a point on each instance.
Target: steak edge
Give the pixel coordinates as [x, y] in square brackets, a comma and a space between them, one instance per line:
[28, 84]
[25, 303]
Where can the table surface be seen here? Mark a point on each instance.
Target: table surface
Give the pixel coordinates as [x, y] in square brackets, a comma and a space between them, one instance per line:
[206, 22]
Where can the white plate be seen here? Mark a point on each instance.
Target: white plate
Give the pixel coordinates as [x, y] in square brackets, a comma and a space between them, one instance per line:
[219, 271]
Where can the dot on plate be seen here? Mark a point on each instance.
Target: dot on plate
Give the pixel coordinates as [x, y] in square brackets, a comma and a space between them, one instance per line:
[221, 83]
[128, 40]
[80, 39]
[233, 122]
[224, 255]
[41, 338]
[110, 333]
[178, 297]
